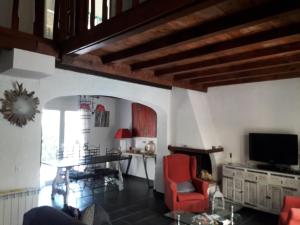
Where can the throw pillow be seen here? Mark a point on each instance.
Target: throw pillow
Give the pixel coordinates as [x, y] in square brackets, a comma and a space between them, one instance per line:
[185, 187]
[87, 216]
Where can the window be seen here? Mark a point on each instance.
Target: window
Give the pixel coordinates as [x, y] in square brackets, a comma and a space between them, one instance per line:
[73, 133]
[49, 18]
[50, 134]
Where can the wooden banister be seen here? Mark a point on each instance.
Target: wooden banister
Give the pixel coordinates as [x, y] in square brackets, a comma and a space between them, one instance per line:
[92, 16]
[39, 18]
[119, 7]
[15, 15]
[104, 11]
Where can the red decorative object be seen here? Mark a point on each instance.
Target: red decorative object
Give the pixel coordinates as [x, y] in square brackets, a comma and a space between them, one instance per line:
[144, 121]
[290, 212]
[123, 133]
[100, 108]
[180, 168]
[85, 106]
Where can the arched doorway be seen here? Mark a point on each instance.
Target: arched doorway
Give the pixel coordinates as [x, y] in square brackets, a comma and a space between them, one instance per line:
[70, 122]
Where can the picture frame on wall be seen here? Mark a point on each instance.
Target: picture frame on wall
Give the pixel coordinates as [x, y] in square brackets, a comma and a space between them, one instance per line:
[102, 119]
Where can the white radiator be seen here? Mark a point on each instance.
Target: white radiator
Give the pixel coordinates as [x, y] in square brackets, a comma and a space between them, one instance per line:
[13, 205]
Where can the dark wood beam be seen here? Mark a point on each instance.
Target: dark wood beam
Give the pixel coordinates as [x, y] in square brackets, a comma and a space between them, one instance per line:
[182, 149]
[145, 16]
[246, 74]
[247, 66]
[238, 21]
[271, 52]
[91, 64]
[15, 15]
[270, 77]
[272, 36]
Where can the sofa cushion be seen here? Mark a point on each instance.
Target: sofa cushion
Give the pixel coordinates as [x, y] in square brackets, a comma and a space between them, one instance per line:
[190, 196]
[46, 215]
[185, 187]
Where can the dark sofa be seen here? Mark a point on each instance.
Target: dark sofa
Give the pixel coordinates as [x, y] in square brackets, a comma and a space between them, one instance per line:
[46, 215]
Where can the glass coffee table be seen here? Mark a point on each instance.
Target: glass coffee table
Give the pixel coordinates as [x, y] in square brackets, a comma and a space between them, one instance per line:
[216, 217]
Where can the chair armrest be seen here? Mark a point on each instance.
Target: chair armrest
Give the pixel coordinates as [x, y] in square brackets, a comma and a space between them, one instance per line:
[170, 191]
[172, 185]
[201, 186]
[290, 202]
[294, 215]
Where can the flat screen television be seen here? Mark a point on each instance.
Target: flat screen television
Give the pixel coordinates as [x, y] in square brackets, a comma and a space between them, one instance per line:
[274, 148]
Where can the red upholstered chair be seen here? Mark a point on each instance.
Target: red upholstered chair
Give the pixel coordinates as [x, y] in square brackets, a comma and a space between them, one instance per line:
[180, 168]
[290, 212]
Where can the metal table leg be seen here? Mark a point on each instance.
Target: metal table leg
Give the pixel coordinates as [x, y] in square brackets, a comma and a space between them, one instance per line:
[120, 177]
[128, 165]
[146, 171]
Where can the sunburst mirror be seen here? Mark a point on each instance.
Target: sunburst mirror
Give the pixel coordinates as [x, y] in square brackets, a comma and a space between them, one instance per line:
[19, 106]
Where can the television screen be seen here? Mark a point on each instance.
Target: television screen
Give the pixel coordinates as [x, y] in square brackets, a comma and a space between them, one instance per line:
[274, 148]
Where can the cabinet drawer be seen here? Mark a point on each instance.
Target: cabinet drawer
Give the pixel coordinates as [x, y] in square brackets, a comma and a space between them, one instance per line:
[240, 174]
[251, 176]
[228, 172]
[262, 178]
[292, 183]
[274, 180]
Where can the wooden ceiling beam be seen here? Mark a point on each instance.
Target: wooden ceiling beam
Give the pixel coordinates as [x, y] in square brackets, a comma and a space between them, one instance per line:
[260, 39]
[266, 53]
[247, 66]
[143, 17]
[246, 74]
[240, 20]
[269, 77]
[91, 64]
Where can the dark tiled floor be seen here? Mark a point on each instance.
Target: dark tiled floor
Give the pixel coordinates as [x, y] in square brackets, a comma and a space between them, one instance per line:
[137, 205]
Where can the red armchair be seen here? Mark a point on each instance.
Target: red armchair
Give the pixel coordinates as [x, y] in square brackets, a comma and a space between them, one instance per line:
[290, 212]
[180, 168]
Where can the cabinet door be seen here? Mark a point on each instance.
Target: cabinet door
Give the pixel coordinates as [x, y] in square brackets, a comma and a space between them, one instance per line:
[250, 193]
[144, 121]
[228, 187]
[276, 198]
[288, 191]
[238, 190]
[262, 196]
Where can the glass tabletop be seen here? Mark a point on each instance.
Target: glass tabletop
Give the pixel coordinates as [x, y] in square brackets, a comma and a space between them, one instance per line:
[216, 217]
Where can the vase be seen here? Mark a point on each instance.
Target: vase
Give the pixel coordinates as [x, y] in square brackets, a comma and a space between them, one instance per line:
[150, 147]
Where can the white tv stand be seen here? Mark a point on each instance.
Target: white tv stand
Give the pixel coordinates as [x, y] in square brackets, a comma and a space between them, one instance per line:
[259, 189]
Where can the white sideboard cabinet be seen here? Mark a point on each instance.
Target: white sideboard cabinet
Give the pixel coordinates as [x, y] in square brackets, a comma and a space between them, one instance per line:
[260, 189]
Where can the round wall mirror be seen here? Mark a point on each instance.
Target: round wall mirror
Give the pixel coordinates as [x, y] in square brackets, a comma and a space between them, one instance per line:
[19, 106]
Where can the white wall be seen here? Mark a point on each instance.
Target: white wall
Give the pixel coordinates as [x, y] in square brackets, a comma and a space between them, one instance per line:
[229, 112]
[67, 83]
[272, 106]
[19, 147]
[25, 152]
[104, 136]
[192, 124]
